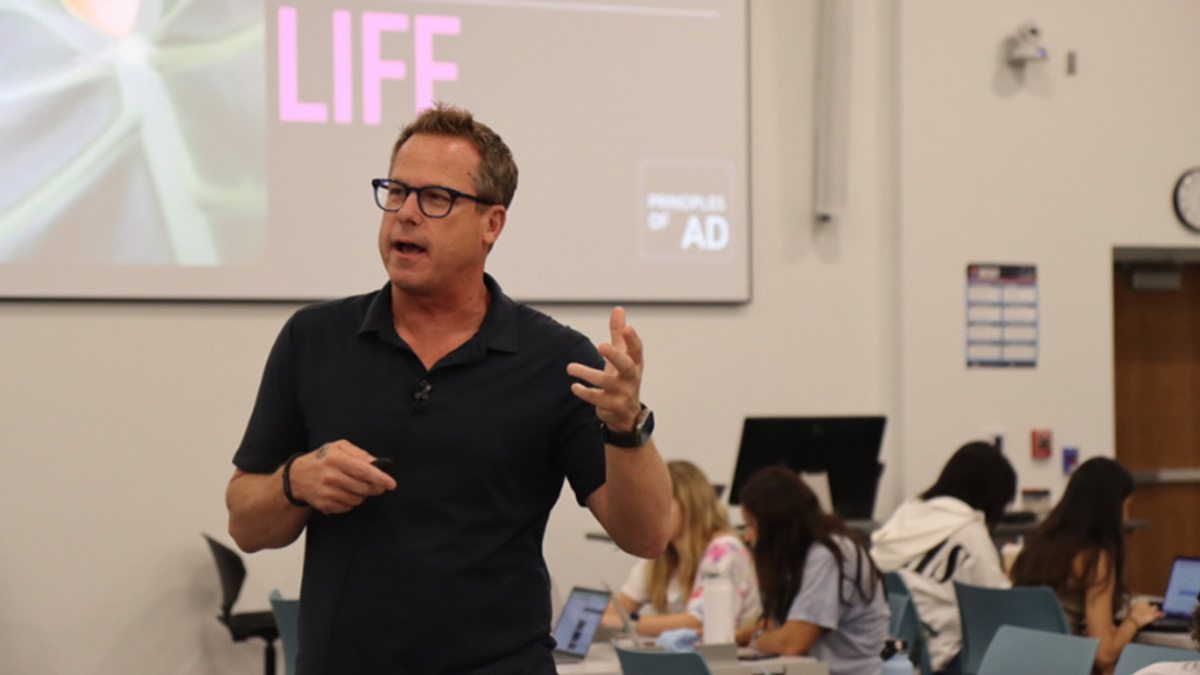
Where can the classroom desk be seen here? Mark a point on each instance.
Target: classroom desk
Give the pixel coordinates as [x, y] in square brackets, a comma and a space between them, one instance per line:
[1161, 639]
[1002, 533]
[863, 528]
[602, 660]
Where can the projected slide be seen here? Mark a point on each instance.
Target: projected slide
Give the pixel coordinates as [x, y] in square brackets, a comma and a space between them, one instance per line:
[201, 149]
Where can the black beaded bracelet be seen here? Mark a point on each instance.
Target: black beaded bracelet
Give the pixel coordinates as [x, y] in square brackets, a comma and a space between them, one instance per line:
[287, 482]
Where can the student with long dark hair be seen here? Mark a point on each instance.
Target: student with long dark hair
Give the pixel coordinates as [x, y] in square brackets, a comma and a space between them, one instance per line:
[1079, 551]
[821, 594]
[943, 536]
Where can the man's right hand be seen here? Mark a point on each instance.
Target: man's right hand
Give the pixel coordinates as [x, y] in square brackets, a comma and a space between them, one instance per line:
[337, 477]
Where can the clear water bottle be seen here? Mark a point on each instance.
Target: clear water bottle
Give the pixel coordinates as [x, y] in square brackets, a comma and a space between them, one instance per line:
[896, 659]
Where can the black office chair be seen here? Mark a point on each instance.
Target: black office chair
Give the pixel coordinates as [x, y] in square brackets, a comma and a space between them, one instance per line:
[243, 625]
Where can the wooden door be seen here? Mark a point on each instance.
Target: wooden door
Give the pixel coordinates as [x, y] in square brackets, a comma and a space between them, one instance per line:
[1157, 396]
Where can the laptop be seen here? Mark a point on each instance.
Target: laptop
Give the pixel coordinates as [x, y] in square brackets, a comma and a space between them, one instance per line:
[577, 624]
[1181, 596]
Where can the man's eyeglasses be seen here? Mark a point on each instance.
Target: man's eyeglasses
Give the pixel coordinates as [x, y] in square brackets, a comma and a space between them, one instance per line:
[434, 201]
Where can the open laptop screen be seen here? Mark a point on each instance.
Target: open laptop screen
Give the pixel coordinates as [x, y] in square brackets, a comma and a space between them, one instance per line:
[579, 620]
[1180, 598]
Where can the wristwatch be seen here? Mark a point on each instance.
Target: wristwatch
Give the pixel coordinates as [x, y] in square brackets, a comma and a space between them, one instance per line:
[637, 437]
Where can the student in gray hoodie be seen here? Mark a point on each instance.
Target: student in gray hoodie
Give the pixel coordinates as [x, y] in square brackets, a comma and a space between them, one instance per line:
[943, 536]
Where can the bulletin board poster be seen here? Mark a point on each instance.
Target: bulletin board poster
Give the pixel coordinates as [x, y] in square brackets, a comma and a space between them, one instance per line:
[1002, 316]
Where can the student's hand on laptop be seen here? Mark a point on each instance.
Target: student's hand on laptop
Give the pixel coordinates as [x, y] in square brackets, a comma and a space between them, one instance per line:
[612, 621]
[1143, 613]
[744, 633]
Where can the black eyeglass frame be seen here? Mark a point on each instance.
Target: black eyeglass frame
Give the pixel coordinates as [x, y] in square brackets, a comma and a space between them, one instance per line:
[455, 195]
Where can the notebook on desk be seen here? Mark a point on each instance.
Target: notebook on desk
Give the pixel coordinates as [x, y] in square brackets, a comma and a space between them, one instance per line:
[578, 623]
[1179, 600]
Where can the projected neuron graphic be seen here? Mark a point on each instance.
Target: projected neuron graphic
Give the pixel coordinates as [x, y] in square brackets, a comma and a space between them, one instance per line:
[133, 132]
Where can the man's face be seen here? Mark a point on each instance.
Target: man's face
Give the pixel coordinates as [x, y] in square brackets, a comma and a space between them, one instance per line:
[426, 256]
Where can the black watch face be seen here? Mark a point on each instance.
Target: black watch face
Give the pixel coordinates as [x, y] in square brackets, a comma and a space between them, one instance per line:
[646, 426]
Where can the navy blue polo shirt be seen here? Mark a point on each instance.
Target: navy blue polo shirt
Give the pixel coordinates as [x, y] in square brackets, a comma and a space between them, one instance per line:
[445, 574]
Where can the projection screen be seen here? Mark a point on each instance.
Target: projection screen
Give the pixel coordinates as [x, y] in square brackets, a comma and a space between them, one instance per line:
[223, 149]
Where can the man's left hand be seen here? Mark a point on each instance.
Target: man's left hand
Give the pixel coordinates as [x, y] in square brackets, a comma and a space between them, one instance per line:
[615, 391]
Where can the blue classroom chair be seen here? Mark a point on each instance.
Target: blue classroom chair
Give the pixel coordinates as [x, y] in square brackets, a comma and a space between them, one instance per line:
[638, 662]
[287, 618]
[906, 625]
[1136, 656]
[984, 610]
[1023, 650]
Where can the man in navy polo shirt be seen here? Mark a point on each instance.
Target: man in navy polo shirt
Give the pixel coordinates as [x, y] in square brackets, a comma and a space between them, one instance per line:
[421, 434]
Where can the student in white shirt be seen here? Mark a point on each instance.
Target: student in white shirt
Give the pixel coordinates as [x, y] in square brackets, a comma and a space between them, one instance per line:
[942, 536]
[702, 546]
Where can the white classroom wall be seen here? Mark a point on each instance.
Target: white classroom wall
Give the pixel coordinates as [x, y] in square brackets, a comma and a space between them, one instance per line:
[118, 420]
[1048, 169]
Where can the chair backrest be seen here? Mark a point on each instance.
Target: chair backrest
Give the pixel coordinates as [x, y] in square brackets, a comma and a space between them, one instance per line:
[898, 605]
[1136, 656]
[893, 584]
[1023, 650]
[984, 610]
[906, 625]
[638, 662]
[232, 571]
[287, 618]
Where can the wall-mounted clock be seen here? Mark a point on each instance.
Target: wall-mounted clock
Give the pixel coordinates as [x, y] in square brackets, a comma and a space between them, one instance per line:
[1187, 199]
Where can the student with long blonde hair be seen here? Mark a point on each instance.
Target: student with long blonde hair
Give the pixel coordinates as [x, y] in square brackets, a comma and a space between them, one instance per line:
[702, 546]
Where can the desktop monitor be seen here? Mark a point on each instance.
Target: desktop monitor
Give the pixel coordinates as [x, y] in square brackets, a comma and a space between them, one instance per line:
[845, 448]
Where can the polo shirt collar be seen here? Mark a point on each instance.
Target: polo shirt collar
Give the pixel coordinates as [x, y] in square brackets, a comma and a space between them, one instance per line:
[497, 332]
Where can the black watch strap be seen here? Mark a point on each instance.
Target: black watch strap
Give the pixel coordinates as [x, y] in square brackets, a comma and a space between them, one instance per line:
[287, 482]
[635, 438]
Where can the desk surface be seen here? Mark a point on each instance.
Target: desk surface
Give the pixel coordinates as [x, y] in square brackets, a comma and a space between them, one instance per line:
[602, 660]
[1002, 533]
[1164, 639]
